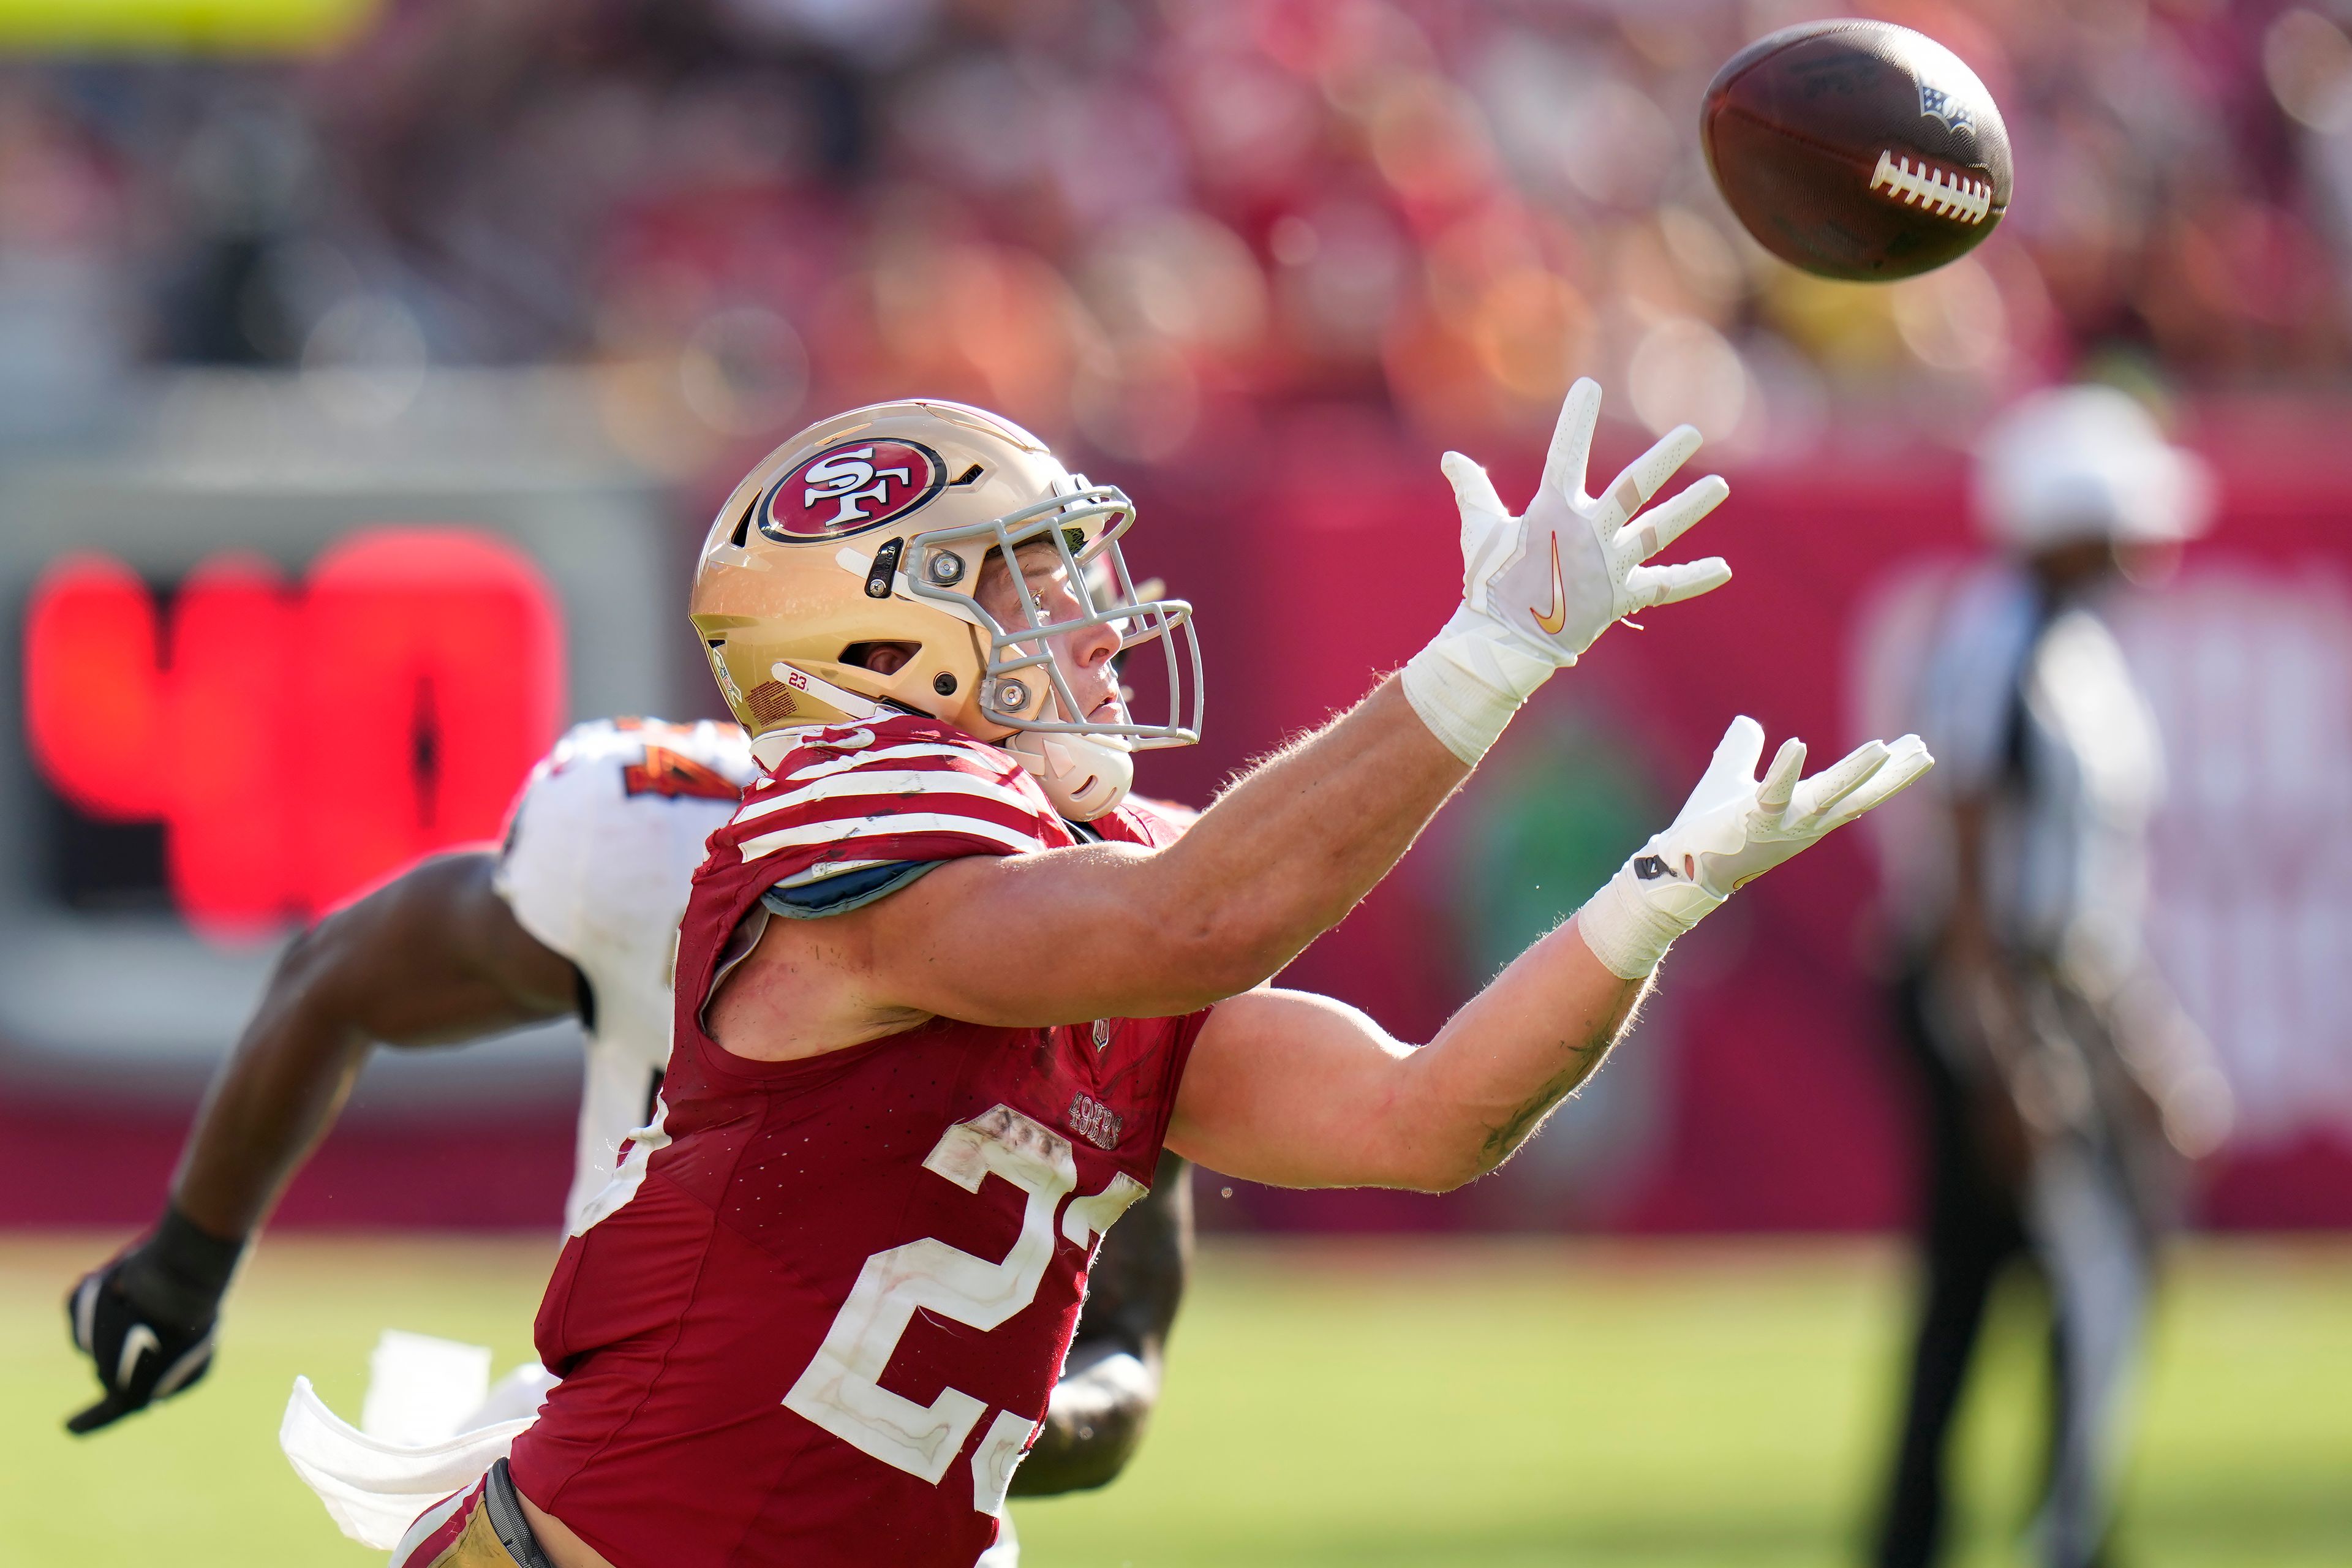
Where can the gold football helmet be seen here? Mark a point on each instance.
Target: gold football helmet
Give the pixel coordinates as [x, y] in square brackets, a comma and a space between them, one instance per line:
[872, 527]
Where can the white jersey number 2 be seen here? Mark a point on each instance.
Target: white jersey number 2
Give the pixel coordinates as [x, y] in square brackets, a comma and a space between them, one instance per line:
[841, 1390]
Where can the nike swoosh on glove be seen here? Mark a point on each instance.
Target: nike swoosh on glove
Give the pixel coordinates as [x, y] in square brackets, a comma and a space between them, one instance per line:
[1733, 829]
[1538, 588]
[147, 1319]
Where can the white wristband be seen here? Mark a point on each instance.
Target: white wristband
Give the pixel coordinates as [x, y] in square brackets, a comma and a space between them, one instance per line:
[1469, 680]
[1629, 924]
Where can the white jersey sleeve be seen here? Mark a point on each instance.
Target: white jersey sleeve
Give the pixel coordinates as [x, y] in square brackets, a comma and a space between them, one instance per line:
[599, 858]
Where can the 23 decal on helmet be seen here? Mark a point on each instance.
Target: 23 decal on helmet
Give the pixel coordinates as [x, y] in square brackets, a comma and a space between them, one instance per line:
[944, 993]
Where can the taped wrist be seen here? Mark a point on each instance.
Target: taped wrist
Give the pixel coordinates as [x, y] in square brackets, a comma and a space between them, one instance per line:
[180, 1273]
[1470, 680]
[1633, 920]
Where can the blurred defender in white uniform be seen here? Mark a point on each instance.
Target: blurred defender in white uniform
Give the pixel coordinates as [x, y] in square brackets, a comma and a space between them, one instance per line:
[2061, 1081]
[597, 860]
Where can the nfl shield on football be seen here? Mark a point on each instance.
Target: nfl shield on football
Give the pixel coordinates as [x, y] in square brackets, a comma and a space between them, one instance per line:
[1857, 150]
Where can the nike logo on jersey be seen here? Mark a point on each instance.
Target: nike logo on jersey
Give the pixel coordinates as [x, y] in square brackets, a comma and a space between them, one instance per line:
[1557, 618]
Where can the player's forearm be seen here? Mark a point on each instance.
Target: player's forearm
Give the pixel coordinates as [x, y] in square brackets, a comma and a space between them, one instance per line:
[1289, 850]
[1120, 931]
[1464, 1102]
[1297, 1090]
[433, 957]
[269, 1106]
[1094, 1420]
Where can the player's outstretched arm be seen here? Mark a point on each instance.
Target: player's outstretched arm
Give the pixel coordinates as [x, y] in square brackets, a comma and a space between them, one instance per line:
[1298, 1090]
[1112, 931]
[431, 958]
[1111, 1382]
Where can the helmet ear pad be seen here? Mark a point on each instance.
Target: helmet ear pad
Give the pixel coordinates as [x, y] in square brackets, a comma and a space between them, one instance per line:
[1084, 776]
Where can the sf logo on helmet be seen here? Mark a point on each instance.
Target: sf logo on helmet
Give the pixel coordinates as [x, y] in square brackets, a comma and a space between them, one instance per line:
[850, 487]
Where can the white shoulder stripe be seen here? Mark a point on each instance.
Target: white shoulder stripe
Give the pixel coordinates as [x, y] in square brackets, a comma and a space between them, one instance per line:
[896, 826]
[912, 749]
[885, 780]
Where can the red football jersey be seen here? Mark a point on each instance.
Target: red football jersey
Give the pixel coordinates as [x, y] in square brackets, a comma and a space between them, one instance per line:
[816, 1317]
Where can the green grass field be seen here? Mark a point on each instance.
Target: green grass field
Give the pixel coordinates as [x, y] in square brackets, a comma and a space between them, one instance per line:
[1416, 1404]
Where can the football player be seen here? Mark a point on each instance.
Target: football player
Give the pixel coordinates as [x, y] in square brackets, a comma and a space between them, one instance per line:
[944, 995]
[575, 916]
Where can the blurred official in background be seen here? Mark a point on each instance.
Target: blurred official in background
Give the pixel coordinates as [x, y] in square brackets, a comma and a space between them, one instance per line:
[2061, 1081]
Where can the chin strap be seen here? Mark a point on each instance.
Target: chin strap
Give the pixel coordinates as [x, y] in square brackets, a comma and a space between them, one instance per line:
[1084, 776]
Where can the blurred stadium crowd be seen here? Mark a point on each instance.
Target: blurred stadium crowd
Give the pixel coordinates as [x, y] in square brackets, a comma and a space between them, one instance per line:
[1138, 223]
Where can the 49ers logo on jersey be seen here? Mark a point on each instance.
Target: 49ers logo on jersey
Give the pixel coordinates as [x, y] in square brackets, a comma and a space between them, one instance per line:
[850, 487]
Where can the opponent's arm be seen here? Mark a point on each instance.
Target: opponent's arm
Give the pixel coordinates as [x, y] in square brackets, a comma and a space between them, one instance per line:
[431, 958]
[1110, 1384]
[1297, 1090]
[1114, 931]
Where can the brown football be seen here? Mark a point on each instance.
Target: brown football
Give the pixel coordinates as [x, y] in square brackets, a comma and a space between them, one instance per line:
[1856, 149]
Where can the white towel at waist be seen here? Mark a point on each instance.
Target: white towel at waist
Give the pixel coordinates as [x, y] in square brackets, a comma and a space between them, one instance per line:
[375, 1488]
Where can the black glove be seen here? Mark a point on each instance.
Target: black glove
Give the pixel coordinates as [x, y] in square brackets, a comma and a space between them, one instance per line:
[146, 1318]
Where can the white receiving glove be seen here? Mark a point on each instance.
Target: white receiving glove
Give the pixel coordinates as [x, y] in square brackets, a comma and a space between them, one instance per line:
[1537, 589]
[1731, 831]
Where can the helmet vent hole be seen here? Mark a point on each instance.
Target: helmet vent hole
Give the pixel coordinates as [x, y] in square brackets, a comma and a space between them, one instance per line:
[969, 476]
[743, 525]
[944, 684]
[881, 657]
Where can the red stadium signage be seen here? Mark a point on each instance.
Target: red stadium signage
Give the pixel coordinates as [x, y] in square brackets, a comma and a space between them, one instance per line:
[299, 742]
